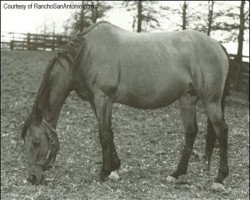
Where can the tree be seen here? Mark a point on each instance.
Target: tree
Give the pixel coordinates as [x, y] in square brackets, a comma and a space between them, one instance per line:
[81, 19]
[188, 15]
[144, 14]
[184, 15]
[66, 27]
[88, 16]
[206, 17]
[210, 16]
[222, 17]
[233, 22]
[99, 10]
[139, 16]
[242, 27]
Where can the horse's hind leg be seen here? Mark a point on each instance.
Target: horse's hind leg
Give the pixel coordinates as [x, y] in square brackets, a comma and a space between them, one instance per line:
[211, 135]
[188, 111]
[215, 115]
[210, 143]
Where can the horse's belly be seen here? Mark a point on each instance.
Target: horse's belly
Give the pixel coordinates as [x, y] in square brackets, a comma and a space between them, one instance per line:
[148, 98]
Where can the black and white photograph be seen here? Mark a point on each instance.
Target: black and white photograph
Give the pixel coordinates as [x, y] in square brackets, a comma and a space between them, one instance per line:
[128, 100]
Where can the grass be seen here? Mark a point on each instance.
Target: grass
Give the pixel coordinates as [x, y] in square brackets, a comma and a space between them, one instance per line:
[148, 143]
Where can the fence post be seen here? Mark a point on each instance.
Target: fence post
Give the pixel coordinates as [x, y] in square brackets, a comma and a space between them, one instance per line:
[53, 42]
[28, 41]
[238, 67]
[44, 41]
[11, 44]
[12, 41]
[59, 41]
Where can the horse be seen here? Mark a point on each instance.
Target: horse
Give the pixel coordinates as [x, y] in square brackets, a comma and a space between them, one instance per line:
[106, 64]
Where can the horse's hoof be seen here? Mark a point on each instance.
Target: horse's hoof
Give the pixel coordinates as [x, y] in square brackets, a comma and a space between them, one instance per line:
[170, 179]
[218, 187]
[114, 175]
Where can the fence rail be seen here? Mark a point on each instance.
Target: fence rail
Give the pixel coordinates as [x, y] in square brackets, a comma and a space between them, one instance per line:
[239, 75]
[22, 41]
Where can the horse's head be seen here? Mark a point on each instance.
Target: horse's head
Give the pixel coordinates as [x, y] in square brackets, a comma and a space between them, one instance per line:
[41, 144]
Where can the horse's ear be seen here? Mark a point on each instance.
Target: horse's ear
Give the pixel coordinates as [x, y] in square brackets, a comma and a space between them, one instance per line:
[38, 114]
[25, 113]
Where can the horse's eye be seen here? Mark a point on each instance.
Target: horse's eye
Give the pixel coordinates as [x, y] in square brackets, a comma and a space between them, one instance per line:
[35, 141]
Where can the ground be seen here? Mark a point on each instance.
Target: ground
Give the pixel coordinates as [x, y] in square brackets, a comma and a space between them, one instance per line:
[148, 143]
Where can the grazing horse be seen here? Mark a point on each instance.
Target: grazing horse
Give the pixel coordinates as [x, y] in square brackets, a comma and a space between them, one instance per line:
[105, 65]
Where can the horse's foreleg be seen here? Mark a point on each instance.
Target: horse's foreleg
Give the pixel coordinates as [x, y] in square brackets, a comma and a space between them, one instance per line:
[188, 112]
[103, 106]
[115, 161]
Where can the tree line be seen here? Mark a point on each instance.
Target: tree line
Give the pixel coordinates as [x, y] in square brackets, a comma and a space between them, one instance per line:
[210, 17]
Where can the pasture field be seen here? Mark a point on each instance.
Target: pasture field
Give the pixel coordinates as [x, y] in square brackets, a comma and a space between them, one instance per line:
[148, 143]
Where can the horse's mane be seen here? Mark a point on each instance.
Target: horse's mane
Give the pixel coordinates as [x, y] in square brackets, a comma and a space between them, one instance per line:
[70, 52]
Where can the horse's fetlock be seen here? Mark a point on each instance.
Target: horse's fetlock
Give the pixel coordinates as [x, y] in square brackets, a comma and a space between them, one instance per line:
[105, 172]
[179, 173]
[116, 163]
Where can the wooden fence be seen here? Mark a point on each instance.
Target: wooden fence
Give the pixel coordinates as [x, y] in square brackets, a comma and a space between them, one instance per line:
[239, 74]
[22, 41]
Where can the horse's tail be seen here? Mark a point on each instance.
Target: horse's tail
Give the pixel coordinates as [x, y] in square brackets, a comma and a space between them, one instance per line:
[226, 91]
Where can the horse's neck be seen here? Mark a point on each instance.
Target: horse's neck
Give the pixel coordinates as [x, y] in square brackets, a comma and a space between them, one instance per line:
[59, 90]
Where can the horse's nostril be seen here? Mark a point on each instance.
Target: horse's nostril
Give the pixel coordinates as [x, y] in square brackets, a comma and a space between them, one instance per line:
[32, 179]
